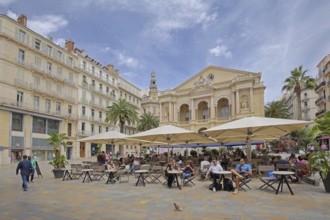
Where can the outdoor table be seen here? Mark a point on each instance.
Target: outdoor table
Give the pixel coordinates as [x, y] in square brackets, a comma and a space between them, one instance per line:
[175, 173]
[67, 174]
[141, 177]
[222, 174]
[87, 174]
[111, 176]
[283, 178]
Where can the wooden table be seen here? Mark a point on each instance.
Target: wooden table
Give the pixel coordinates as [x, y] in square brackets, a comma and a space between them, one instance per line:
[111, 177]
[141, 177]
[283, 179]
[175, 173]
[87, 174]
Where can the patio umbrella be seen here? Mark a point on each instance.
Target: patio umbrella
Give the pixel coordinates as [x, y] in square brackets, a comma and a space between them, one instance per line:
[254, 129]
[170, 134]
[114, 137]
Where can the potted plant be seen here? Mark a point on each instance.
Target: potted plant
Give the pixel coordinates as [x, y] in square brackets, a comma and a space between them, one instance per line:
[59, 161]
[320, 159]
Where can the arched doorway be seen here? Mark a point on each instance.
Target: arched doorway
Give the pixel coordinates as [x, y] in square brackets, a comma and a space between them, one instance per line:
[203, 111]
[184, 113]
[223, 108]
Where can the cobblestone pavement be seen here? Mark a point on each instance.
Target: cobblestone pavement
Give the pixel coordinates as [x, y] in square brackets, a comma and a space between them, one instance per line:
[49, 198]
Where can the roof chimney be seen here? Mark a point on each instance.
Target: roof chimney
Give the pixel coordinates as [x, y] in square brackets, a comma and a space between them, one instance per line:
[69, 45]
[22, 19]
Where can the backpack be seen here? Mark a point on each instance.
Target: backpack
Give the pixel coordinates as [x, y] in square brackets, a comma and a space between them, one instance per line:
[228, 185]
[218, 186]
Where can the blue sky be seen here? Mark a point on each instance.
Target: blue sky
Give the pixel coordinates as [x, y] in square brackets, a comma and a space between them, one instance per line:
[179, 38]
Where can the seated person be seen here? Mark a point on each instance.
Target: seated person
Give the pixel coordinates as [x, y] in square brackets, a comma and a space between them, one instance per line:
[242, 171]
[136, 162]
[279, 160]
[170, 177]
[214, 168]
[204, 162]
[302, 161]
[111, 166]
[273, 161]
[187, 171]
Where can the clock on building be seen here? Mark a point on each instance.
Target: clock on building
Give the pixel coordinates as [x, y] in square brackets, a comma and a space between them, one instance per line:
[210, 76]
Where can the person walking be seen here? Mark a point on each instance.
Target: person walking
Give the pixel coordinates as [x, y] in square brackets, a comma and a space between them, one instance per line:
[26, 168]
[34, 167]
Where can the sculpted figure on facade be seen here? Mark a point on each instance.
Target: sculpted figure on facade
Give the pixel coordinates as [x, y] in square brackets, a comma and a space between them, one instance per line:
[244, 102]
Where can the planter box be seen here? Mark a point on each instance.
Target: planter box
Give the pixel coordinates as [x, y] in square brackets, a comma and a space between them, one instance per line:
[326, 183]
[58, 173]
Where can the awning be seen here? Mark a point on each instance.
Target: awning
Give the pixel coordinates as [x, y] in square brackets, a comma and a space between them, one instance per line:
[232, 144]
[324, 137]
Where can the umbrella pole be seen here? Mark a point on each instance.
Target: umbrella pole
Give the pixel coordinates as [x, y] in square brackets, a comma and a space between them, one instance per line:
[248, 149]
[140, 149]
[168, 153]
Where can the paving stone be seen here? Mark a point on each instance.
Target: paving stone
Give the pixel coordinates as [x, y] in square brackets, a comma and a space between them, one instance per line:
[49, 198]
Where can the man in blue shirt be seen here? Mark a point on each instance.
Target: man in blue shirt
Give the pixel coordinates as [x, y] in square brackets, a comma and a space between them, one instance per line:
[26, 168]
[242, 171]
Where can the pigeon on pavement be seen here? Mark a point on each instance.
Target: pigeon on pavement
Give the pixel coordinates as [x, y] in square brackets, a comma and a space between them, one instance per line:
[177, 207]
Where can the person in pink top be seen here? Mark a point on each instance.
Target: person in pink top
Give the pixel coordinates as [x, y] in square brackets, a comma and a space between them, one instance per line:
[302, 161]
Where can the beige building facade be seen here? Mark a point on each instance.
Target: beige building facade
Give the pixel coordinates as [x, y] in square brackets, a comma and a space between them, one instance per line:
[46, 88]
[38, 90]
[212, 97]
[323, 86]
[308, 107]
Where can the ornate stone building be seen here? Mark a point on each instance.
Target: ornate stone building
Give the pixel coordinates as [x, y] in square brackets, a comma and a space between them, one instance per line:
[213, 96]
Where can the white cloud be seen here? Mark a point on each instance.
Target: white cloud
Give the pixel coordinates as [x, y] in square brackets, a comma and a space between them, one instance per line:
[12, 15]
[47, 24]
[127, 61]
[6, 2]
[221, 50]
[106, 49]
[166, 17]
[60, 41]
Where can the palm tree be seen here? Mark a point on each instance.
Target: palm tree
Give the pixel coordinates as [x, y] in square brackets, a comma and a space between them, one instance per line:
[121, 111]
[57, 140]
[276, 109]
[147, 121]
[298, 81]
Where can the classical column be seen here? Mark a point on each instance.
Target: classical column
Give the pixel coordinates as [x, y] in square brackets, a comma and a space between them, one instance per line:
[237, 102]
[160, 112]
[175, 112]
[251, 99]
[170, 111]
[212, 107]
[192, 110]
[233, 104]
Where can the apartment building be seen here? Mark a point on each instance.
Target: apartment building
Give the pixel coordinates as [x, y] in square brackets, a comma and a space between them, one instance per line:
[46, 88]
[323, 87]
[38, 92]
[308, 107]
